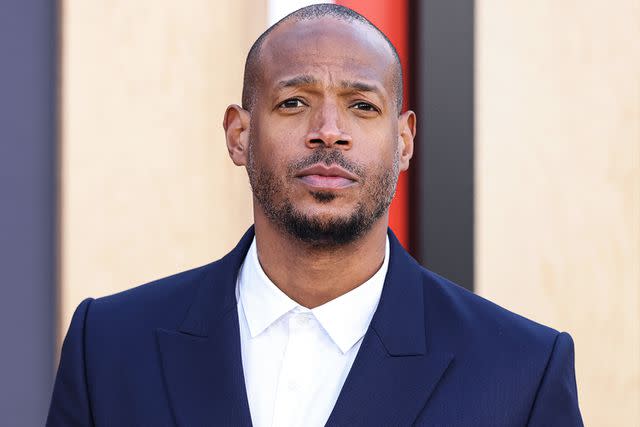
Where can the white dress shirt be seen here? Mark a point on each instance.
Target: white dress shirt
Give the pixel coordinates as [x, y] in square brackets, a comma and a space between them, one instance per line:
[295, 359]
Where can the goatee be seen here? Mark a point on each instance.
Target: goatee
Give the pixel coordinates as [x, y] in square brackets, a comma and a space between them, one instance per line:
[267, 189]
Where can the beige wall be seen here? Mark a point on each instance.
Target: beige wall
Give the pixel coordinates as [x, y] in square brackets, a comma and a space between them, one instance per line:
[558, 182]
[147, 188]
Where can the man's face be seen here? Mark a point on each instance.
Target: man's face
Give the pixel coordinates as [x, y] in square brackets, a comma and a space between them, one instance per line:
[324, 147]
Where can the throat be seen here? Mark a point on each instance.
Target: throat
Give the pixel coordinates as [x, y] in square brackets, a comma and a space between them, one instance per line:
[311, 275]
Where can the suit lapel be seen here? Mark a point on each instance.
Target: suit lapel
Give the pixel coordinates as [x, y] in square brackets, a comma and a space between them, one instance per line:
[202, 361]
[390, 381]
[387, 390]
[395, 371]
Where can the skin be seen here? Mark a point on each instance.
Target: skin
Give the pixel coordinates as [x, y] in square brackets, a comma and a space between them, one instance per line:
[325, 84]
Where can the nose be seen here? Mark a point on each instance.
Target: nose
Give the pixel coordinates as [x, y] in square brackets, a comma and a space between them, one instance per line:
[327, 129]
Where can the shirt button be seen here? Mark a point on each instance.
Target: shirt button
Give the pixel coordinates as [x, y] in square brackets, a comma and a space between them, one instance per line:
[293, 386]
[303, 319]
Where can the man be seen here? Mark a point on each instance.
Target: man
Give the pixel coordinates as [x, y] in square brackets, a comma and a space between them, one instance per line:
[318, 316]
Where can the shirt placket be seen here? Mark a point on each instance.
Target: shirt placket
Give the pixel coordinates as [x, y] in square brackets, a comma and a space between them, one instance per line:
[292, 386]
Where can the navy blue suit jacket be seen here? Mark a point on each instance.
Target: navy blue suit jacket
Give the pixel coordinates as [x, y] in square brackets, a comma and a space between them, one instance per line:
[168, 353]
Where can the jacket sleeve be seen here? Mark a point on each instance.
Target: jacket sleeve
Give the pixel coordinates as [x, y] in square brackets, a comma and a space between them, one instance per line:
[556, 402]
[70, 405]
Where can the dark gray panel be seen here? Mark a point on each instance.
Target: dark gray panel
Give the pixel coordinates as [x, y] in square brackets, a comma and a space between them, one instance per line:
[443, 182]
[27, 209]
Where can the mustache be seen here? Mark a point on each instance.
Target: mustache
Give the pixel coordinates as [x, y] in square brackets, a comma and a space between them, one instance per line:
[328, 157]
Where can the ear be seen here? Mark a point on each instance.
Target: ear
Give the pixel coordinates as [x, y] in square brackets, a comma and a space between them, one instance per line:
[406, 134]
[236, 126]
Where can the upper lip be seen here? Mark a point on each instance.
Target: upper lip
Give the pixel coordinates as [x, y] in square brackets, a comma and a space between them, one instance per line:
[324, 170]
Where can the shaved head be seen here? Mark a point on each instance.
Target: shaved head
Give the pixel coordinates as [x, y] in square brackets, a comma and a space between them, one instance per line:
[252, 68]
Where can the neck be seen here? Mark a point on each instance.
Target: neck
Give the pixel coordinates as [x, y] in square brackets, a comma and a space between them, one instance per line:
[312, 276]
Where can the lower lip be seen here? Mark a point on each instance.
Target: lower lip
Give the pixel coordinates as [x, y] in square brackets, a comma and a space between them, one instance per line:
[332, 182]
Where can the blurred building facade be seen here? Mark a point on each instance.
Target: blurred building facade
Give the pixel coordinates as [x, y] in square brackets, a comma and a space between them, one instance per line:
[525, 186]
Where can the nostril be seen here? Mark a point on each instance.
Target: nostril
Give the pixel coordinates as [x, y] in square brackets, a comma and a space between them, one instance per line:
[328, 142]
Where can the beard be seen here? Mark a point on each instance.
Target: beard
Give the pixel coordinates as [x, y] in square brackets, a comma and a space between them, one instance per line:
[378, 189]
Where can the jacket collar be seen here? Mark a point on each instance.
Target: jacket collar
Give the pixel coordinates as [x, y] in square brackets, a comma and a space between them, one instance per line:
[398, 321]
[389, 383]
[216, 295]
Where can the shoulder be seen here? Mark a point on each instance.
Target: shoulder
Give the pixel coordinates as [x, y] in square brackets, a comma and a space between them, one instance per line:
[165, 303]
[162, 303]
[481, 321]
[518, 363]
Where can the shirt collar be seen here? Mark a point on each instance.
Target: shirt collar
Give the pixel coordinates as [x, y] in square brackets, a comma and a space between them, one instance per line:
[345, 319]
[262, 301]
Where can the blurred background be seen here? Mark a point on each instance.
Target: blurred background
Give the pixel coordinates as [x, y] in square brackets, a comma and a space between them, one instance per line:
[525, 186]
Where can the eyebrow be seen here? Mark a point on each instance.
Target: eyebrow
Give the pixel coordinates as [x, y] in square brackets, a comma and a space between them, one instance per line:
[301, 80]
[308, 80]
[360, 86]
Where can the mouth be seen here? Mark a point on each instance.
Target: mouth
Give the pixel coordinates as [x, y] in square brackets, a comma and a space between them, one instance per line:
[320, 176]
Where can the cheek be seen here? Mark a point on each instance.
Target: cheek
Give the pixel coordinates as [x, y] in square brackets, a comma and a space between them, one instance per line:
[270, 163]
[280, 140]
[379, 133]
[379, 151]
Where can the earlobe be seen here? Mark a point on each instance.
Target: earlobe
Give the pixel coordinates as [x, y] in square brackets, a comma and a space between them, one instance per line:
[406, 135]
[236, 126]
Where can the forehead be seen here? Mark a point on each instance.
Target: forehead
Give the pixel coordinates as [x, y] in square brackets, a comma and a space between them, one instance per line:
[328, 48]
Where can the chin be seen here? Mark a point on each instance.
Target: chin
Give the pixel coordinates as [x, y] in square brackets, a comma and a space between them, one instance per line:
[323, 224]
[327, 212]
[325, 231]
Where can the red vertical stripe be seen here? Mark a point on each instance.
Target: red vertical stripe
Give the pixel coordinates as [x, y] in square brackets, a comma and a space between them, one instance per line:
[392, 17]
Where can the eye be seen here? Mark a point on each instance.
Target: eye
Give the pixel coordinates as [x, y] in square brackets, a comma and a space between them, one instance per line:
[365, 106]
[291, 103]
